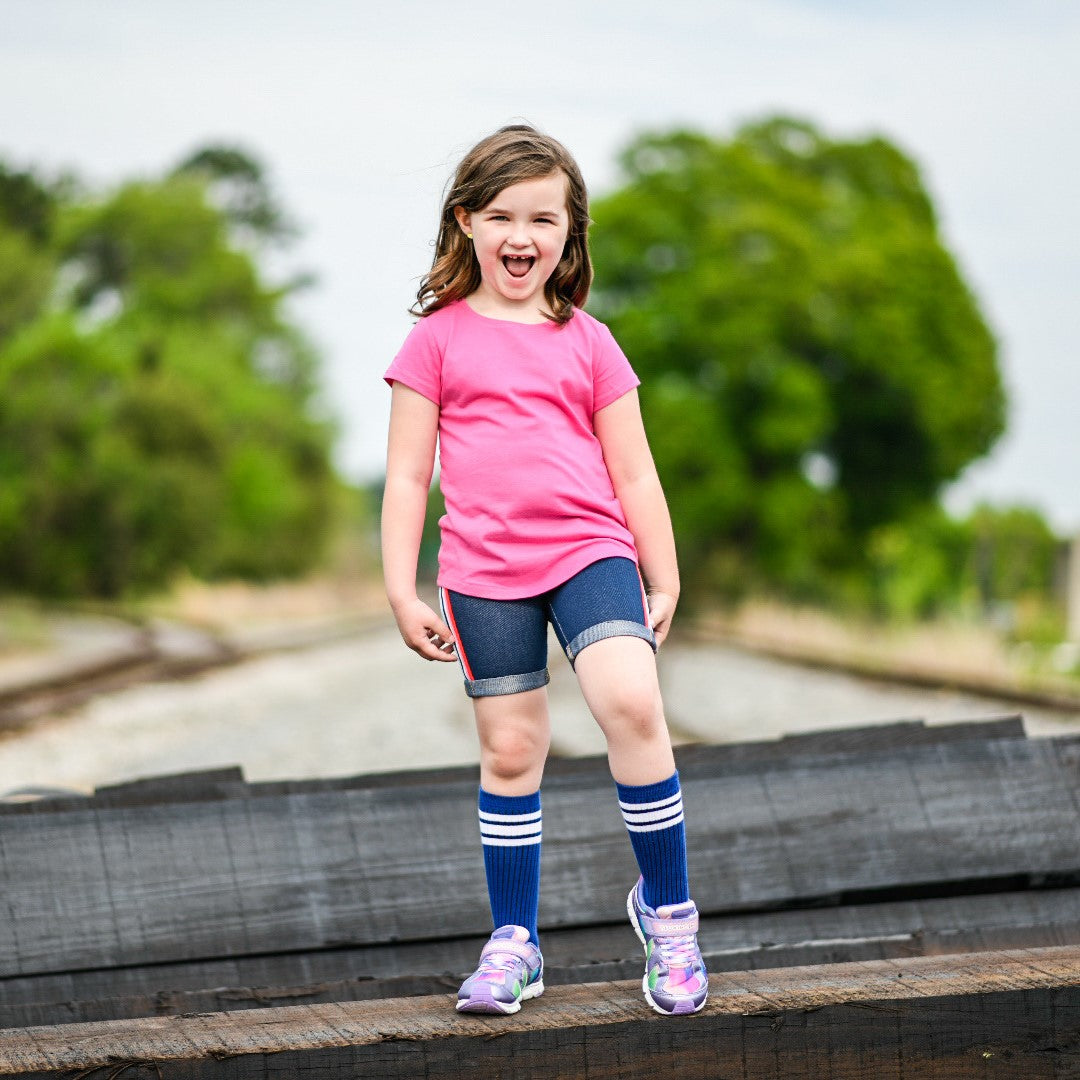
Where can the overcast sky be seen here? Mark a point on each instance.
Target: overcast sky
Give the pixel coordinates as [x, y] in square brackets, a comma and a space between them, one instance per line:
[359, 113]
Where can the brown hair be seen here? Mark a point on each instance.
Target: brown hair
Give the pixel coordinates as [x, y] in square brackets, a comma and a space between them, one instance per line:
[512, 154]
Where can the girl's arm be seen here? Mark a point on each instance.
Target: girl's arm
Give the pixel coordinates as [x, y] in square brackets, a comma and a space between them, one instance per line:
[621, 432]
[410, 461]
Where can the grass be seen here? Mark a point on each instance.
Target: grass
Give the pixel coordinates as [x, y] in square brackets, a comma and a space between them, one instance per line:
[959, 653]
[24, 627]
[226, 605]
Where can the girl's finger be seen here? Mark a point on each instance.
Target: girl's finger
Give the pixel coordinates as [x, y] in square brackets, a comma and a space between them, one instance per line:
[437, 646]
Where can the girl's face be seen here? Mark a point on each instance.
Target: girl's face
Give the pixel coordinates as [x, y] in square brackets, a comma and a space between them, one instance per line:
[519, 239]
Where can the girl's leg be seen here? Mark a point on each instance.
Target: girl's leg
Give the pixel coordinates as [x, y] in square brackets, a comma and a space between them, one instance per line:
[618, 678]
[502, 646]
[601, 618]
[514, 733]
[619, 681]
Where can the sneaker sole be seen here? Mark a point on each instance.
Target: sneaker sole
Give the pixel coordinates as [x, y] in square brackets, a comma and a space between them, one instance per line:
[645, 978]
[501, 1008]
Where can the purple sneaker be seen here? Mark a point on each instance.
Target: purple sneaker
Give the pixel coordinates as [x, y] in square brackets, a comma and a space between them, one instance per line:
[675, 981]
[511, 971]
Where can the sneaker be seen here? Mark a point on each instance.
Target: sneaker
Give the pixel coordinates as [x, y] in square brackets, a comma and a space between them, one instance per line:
[675, 981]
[511, 971]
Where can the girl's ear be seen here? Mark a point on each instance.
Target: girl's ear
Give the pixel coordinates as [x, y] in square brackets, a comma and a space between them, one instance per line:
[464, 218]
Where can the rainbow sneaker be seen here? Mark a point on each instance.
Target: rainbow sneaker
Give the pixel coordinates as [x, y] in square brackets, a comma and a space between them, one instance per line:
[511, 971]
[675, 981]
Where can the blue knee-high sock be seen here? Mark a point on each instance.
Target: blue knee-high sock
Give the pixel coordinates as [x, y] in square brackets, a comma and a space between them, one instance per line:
[510, 830]
[654, 819]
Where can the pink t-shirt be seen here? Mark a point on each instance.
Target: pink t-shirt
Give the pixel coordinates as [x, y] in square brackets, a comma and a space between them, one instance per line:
[529, 501]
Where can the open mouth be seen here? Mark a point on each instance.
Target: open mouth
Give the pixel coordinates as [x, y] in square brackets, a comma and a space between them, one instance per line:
[518, 265]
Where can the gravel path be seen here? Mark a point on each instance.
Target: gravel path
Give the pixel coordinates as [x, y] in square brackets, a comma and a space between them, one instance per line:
[368, 705]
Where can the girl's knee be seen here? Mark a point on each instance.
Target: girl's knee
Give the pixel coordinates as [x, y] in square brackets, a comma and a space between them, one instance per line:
[509, 759]
[511, 750]
[634, 712]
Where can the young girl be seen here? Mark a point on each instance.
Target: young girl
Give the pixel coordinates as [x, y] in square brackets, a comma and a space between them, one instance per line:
[552, 505]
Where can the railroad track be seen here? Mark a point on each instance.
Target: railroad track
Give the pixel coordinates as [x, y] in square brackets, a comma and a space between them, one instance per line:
[156, 653]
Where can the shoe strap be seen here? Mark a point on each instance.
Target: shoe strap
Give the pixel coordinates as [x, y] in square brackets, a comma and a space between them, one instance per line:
[666, 928]
[524, 950]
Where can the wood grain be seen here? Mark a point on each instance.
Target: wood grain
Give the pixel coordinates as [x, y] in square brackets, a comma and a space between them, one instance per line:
[1035, 918]
[106, 886]
[1013, 1014]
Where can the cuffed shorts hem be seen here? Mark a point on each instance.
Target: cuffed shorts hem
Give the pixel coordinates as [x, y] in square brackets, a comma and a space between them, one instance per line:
[507, 684]
[502, 645]
[611, 628]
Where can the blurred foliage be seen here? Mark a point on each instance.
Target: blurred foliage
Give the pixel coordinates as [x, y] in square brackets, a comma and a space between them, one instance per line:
[238, 188]
[1015, 553]
[814, 367]
[157, 408]
[998, 562]
[352, 551]
[427, 561]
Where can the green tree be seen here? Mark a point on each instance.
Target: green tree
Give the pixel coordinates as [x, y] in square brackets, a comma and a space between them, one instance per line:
[27, 263]
[813, 364]
[920, 568]
[998, 562]
[1014, 554]
[158, 413]
[238, 185]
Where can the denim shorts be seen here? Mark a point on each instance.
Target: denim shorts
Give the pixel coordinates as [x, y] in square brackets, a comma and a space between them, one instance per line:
[502, 644]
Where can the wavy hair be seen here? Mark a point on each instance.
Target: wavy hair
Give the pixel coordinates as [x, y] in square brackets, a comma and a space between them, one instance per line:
[512, 154]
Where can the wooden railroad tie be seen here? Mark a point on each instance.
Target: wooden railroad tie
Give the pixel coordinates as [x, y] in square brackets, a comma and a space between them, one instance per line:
[1012, 1014]
[897, 901]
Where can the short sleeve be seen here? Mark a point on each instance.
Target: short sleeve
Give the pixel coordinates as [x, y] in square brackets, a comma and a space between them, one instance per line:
[612, 374]
[418, 364]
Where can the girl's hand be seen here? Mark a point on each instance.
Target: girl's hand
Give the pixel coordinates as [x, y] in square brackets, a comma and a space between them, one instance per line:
[424, 632]
[661, 609]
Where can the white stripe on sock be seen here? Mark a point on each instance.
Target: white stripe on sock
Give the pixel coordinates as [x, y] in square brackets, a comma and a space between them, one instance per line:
[635, 806]
[656, 826]
[493, 841]
[653, 815]
[509, 830]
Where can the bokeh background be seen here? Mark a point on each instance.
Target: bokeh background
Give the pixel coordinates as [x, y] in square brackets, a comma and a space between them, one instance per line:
[836, 239]
[359, 116]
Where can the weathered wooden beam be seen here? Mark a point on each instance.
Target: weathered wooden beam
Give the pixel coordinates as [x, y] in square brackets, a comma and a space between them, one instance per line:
[115, 886]
[232, 998]
[1013, 1014]
[1032, 919]
[228, 782]
[203, 783]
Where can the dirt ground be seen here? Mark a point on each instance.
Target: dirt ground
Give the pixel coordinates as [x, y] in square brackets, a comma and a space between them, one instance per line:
[367, 704]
